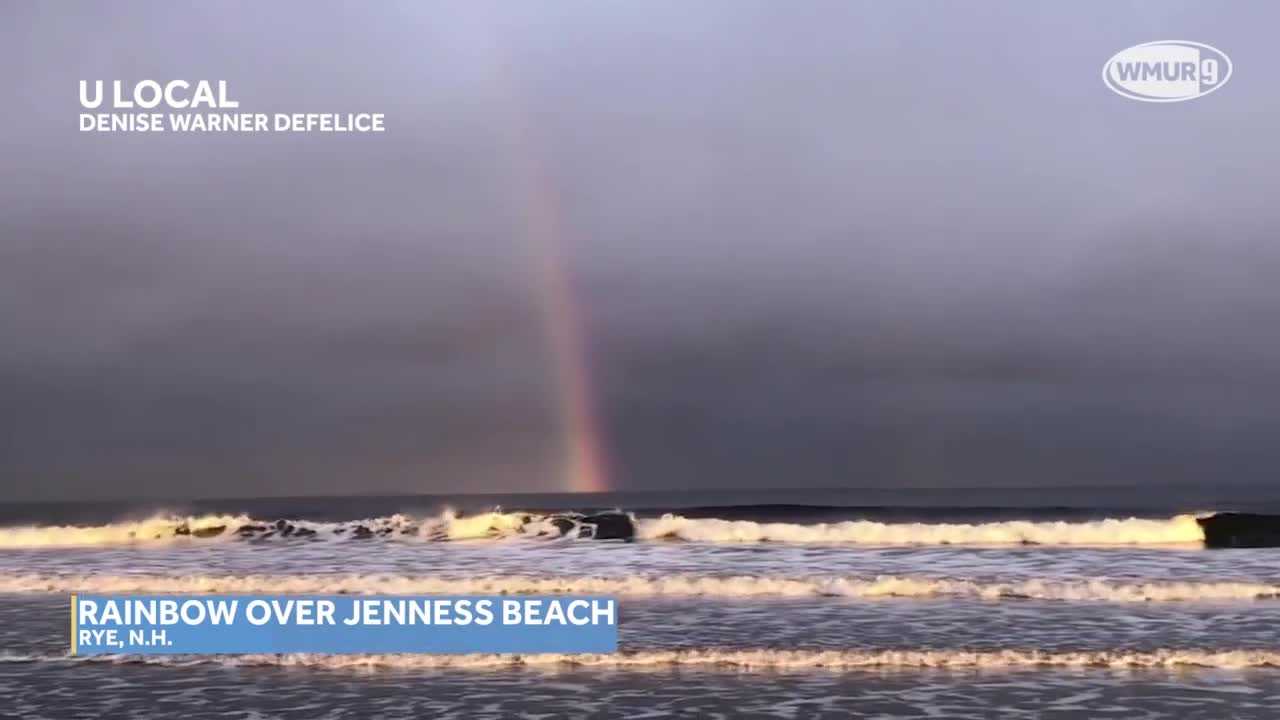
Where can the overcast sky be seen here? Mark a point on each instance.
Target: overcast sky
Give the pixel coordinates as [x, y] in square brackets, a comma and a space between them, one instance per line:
[811, 244]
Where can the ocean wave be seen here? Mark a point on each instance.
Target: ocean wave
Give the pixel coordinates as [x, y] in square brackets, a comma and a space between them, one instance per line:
[727, 659]
[186, 529]
[1129, 531]
[738, 586]
[160, 528]
[1181, 529]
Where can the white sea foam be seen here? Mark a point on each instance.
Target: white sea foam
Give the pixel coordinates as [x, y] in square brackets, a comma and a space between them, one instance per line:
[742, 660]
[160, 528]
[1129, 531]
[1180, 529]
[740, 586]
[184, 529]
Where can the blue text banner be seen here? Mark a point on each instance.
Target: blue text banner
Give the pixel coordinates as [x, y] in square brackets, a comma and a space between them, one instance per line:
[229, 624]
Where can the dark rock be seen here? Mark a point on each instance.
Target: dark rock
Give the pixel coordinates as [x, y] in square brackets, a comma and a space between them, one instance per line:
[610, 526]
[207, 532]
[1240, 530]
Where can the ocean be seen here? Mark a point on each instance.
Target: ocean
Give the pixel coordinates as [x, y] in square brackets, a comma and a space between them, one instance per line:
[957, 603]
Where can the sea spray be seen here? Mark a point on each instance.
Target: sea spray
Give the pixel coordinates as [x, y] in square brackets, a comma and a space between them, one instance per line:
[1180, 529]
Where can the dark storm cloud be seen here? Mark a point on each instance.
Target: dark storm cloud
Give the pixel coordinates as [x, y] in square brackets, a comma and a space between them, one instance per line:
[815, 243]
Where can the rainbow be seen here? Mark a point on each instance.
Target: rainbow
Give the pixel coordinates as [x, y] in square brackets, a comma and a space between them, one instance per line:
[583, 468]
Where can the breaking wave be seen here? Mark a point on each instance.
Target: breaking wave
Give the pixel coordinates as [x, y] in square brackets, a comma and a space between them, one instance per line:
[181, 529]
[1130, 531]
[616, 525]
[740, 586]
[158, 528]
[733, 660]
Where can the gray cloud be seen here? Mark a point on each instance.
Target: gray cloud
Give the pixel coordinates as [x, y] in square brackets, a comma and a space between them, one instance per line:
[825, 244]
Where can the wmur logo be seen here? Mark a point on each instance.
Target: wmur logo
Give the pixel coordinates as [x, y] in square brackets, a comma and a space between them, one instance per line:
[1167, 71]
